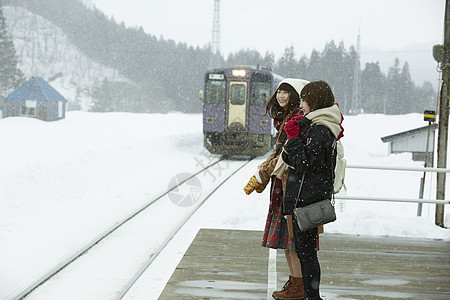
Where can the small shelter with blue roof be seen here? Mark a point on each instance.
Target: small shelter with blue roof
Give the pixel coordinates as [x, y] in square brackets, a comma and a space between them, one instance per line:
[36, 98]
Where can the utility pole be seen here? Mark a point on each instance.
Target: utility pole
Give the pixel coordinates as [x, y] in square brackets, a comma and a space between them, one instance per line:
[356, 93]
[215, 40]
[444, 58]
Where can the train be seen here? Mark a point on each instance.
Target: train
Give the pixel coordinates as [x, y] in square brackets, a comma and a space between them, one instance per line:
[235, 122]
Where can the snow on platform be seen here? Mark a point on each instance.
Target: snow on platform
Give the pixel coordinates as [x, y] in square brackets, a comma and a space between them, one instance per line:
[231, 264]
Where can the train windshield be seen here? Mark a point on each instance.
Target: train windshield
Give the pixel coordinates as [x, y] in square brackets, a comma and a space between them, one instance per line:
[237, 94]
[260, 89]
[215, 92]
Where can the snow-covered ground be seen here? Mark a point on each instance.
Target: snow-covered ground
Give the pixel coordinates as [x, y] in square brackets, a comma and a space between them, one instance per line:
[62, 183]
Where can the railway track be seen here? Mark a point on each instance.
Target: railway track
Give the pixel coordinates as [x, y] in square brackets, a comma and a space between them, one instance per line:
[118, 237]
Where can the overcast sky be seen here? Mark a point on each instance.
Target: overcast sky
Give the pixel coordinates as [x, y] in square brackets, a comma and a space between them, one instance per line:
[389, 28]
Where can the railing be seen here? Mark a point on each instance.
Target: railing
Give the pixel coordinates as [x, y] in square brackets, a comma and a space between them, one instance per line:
[438, 170]
[413, 200]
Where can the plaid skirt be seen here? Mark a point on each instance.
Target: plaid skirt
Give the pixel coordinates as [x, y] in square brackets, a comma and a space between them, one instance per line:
[276, 233]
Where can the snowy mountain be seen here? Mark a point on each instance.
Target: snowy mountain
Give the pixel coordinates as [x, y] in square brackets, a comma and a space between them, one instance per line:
[44, 50]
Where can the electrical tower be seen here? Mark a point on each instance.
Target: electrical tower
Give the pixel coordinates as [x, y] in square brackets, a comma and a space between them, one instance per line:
[215, 41]
[356, 92]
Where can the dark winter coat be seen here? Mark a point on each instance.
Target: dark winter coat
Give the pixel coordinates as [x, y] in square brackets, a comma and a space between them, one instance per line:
[311, 153]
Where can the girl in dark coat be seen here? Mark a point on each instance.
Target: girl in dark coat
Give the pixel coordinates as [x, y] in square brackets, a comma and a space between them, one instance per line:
[313, 154]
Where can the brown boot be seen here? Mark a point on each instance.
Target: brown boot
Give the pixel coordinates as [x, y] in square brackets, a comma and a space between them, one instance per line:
[277, 294]
[293, 291]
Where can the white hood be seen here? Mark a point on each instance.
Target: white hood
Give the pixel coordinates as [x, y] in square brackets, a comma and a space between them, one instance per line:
[296, 83]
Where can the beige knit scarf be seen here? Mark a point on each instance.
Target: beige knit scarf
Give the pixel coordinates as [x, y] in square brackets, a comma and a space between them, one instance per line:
[329, 117]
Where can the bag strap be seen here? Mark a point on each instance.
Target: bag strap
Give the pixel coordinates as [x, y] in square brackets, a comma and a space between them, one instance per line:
[281, 128]
[279, 146]
[299, 190]
[333, 148]
[303, 176]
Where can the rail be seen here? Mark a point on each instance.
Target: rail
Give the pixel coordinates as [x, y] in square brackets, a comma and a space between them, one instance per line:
[78, 253]
[392, 168]
[150, 260]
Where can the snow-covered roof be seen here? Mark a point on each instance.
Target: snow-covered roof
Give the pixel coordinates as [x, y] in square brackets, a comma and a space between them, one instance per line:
[35, 89]
[408, 133]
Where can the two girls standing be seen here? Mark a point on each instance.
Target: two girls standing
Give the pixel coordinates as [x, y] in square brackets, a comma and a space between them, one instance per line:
[311, 153]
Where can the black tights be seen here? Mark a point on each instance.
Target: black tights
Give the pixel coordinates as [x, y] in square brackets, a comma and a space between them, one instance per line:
[306, 248]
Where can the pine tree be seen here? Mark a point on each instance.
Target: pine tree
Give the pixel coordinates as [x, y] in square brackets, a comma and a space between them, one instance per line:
[287, 64]
[269, 60]
[408, 90]
[373, 87]
[394, 94]
[10, 75]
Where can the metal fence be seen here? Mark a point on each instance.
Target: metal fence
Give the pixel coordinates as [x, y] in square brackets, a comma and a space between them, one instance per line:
[413, 200]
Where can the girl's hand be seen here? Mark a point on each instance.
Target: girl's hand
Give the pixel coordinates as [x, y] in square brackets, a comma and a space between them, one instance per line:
[292, 128]
[251, 185]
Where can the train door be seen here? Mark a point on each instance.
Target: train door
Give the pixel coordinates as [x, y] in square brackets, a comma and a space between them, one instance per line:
[237, 105]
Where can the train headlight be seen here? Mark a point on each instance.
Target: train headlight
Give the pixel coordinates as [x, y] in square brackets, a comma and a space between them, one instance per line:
[238, 73]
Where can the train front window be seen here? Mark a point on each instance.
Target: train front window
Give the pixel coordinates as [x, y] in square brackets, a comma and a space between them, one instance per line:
[215, 92]
[260, 93]
[260, 89]
[237, 94]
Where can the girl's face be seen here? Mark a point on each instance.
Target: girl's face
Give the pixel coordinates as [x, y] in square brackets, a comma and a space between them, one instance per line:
[282, 98]
[305, 107]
